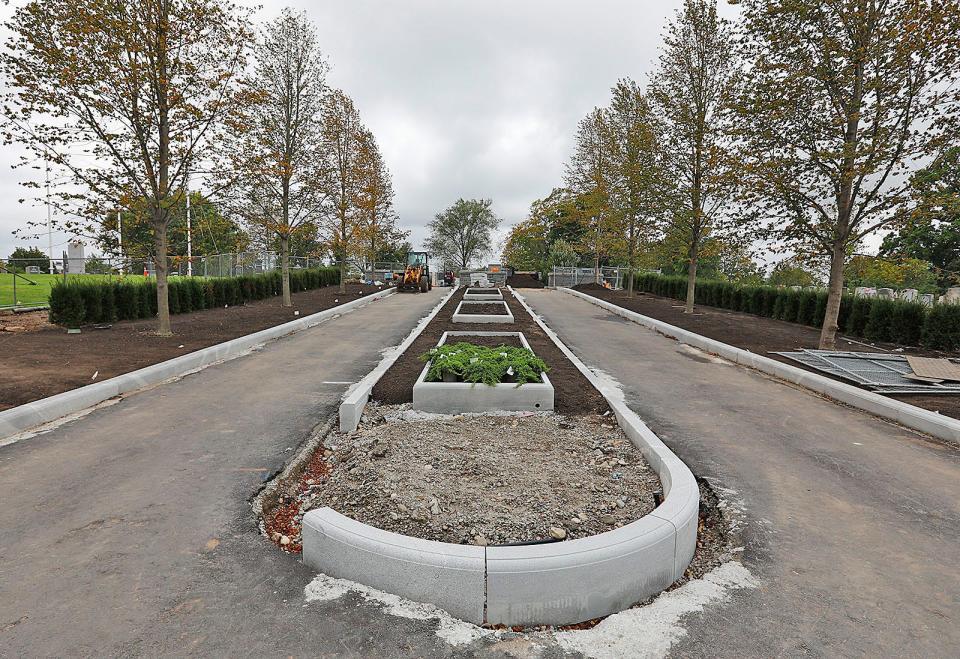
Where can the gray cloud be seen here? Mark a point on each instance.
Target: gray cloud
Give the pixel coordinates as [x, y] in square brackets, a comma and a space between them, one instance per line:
[467, 99]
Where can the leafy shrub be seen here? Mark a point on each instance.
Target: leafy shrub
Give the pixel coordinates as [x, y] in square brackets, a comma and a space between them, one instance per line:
[127, 298]
[941, 328]
[806, 307]
[92, 302]
[878, 327]
[476, 364]
[66, 305]
[906, 323]
[858, 317]
[106, 301]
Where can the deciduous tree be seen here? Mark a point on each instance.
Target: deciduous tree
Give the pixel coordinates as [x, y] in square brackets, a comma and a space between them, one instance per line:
[377, 227]
[589, 177]
[691, 91]
[461, 234]
[638, 189]
[342, 136]
[280, 157]
[120, 97]
[843, 98]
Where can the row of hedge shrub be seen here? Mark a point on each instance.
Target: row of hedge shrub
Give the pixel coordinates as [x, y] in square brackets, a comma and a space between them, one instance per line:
[876, 319]
[78, 303]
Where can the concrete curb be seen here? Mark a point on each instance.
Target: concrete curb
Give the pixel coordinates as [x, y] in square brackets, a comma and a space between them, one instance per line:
[460, 397]
[447, 575]
[556, 583]
[494, 295]
[931, 423]
[356, 397]
[461, 315]
[30, 415]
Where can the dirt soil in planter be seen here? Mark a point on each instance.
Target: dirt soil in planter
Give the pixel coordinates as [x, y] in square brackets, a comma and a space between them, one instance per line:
[492, 308]
[524, 281]
[474, 479]
[48, 361]
[573, 393]
[763, 336]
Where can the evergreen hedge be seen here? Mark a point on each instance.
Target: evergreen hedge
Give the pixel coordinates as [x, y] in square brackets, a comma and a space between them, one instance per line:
[78, 303]
[876, 319]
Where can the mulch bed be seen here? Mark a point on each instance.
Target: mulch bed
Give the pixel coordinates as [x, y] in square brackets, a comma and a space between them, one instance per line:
[573, 393]
[491, 308]
[40, 363]
[764, 336]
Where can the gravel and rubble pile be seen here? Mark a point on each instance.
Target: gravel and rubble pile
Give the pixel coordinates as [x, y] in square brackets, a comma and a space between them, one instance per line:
[473, 479]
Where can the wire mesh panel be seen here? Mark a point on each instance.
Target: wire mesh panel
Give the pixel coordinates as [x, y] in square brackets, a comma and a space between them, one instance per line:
[880, 372]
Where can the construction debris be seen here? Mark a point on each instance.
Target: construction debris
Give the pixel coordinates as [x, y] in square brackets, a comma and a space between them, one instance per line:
[884, 373]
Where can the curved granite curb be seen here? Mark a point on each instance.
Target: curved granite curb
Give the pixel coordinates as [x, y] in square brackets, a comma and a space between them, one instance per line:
[556, 583]
[911, 416]
[29, 415]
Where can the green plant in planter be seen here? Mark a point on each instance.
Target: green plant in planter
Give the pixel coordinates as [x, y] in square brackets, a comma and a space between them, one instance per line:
[479, 364]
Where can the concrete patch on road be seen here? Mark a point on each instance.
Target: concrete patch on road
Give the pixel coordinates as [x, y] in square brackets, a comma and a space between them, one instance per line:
[451, 630]
[650, 631]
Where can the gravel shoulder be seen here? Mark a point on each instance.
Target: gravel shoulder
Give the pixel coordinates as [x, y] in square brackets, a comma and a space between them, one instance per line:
[474, 479]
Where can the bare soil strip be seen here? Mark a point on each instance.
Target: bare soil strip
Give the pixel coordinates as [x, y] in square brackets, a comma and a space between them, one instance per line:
[574, 395]
[764, 336]
[47, 361]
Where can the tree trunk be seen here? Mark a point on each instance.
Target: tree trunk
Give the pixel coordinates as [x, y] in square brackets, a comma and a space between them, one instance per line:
[160, 264]
[285, 269]
[692, 278]
[631, 256]
[828, 334]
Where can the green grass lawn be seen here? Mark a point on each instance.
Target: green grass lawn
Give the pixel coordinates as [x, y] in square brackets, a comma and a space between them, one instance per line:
[28, 295]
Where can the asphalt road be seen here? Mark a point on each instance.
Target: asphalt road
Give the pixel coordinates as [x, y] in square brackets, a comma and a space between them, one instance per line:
[853, 523]
[128, 532]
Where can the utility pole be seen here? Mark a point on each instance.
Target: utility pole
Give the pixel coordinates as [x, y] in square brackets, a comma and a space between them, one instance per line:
[186, 184]
[120, 238]
[49, 224]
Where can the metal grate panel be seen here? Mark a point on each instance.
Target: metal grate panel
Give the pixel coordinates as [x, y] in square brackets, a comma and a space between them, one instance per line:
[880, 372]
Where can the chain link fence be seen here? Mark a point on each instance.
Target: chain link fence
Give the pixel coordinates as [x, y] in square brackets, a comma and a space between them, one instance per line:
[614, 277]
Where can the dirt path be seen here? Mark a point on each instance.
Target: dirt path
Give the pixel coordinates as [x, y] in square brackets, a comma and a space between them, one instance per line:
[852, 521]
[763, 336]
[48, 361]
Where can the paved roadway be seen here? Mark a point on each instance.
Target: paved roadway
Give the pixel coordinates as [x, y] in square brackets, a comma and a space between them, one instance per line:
[853, 523]
[128, 532]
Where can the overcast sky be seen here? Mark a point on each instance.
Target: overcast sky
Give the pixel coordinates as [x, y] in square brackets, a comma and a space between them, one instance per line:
[466, 98]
